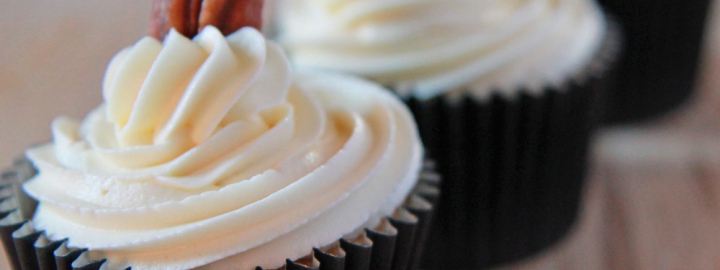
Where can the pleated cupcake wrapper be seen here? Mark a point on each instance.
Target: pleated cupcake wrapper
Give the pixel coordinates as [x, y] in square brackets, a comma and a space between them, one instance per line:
[659, 69]
[513, 166]
[396, 244]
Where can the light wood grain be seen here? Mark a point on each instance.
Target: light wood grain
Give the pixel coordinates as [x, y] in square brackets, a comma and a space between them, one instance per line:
[645, 211]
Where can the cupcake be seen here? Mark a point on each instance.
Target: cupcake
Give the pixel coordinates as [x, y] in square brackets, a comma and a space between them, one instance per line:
[505, 93]
[658, 71]
[210, 152]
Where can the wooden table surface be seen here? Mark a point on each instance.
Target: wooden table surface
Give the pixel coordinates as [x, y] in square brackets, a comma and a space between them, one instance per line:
[653, 198]
[653, 202]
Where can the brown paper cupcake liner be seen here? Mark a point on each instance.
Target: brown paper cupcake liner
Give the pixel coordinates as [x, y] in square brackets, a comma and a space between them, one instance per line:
[395, 244]
[659, 68]
[513, 166]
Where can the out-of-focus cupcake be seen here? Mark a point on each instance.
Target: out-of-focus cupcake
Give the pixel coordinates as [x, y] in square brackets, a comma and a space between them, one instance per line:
[658, 70]
[505, 93]
[211, 152]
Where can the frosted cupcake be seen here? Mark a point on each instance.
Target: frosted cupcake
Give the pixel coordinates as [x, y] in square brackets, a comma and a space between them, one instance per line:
[505, 95]
[212, 153]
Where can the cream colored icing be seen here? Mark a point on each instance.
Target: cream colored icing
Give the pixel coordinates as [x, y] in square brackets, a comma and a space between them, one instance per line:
[211, 152]
[427, 48]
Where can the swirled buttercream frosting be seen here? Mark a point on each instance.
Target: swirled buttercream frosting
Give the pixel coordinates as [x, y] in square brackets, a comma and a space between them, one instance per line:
[211, 152]
[427, 48]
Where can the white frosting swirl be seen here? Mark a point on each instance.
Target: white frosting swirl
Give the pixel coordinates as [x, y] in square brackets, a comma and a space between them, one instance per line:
[209, 152]
[432, 47]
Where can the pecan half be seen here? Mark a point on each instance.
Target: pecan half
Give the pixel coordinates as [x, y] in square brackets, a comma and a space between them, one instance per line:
[179, 14]
[231, 15]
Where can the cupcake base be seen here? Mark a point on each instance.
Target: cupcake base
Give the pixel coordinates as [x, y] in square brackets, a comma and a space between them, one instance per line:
[395, 244]
[516, 168]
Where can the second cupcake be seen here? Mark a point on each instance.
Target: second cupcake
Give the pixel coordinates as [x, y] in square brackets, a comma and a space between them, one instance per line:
[505, 93]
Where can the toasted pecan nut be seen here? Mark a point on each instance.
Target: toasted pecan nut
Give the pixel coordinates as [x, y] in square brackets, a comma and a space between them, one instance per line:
[179, 14]
[231, 15]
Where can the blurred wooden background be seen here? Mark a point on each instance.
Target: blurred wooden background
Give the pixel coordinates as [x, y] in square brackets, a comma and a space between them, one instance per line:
[53, 59]
[653, 201]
